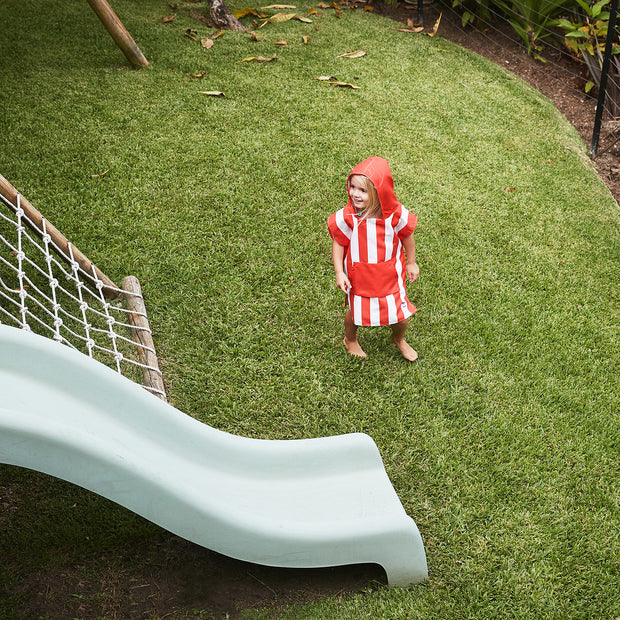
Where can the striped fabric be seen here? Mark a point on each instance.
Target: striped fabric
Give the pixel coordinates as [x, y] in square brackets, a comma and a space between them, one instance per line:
[375, 264]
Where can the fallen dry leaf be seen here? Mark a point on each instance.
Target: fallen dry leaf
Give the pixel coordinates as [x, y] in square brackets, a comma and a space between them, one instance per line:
[412, 30]
[192, 34]
[509, 189]
[244, 12]
[212, 93]
[256, 37]
[206, 43]
[197, 75]
[94, 176]
[326, 78]
[278, 18]
[305, 20]
[345, 84]
[357, 54]
[259, 59]
[279, 6]
[369, 8]
[304, 39]
[282, 43]
[433, 32]
[167, 20]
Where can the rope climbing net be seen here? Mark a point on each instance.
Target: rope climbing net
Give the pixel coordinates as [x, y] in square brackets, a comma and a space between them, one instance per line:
[48, 287]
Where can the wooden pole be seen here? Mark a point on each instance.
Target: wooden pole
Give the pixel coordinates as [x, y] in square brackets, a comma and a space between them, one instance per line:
[110, 290]
[118, 32]
[152, 376]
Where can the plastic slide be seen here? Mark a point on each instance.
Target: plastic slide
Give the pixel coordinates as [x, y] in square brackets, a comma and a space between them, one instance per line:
[302, 503]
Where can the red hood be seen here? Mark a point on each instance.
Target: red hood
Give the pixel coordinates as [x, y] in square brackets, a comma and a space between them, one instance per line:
[378, 171]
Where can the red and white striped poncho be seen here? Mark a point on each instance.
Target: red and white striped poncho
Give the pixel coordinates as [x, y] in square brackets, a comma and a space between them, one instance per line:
[374, 255]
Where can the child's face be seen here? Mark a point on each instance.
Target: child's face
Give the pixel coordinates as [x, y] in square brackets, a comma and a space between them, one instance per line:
[358, 194]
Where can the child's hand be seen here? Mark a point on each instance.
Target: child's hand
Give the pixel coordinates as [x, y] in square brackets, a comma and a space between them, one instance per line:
[342, 282]
[413, 271]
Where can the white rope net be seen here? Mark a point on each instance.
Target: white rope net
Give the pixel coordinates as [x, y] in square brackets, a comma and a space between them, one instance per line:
[45, 291]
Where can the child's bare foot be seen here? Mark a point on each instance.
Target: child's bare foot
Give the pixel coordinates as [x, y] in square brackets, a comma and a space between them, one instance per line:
[353, 347]
[408, 352]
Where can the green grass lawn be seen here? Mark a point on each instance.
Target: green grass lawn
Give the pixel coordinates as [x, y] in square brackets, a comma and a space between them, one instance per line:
[502, 440]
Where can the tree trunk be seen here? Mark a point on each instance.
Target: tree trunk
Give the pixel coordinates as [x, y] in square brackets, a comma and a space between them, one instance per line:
[222, 17]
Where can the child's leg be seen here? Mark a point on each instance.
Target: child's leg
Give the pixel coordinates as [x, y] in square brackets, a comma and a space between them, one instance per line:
[398, 338]
[350, 336]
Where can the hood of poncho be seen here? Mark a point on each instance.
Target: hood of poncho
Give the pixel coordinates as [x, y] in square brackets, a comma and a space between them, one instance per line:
[378, 171]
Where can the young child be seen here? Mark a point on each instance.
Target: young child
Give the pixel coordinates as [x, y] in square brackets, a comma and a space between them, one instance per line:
[370, 237]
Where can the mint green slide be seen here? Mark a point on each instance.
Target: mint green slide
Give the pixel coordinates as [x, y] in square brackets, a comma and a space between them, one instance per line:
[301, 504]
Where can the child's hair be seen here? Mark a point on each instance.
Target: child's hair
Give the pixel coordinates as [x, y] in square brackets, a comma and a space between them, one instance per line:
[374, 206]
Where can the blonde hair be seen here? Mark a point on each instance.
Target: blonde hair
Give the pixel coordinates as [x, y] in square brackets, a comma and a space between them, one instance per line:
[373, 209]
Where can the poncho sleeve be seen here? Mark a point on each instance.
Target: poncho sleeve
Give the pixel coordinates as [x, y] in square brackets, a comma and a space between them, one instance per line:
[339, 230]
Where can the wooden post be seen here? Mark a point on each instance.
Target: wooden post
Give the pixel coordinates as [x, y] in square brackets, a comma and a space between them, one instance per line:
[118, 32]
[152, 376]
[110, 290]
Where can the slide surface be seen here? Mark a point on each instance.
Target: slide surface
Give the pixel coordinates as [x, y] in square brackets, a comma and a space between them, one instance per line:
[302, 503]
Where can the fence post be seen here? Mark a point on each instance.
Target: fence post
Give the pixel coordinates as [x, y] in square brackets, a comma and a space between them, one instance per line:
[602, 89]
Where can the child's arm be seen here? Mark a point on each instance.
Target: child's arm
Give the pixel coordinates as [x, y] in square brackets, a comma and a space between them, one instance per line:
[342, 281]
[413, 271]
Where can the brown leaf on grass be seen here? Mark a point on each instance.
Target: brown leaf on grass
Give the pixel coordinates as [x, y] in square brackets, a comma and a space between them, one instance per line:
[369, 8]
[326, 78]
[357, 54]
[279, 6]
[167, 20]
[197, 75]
[94, 176]
[345, 84]
[282, 43]
[256, 37]
[304, 39]
[312, 12]
[411, 30]
[305, 20]
[259, 59]
[433, 32]
[206, 43]
[278, 18]
[212, 93]
[245, 12]
[509, 189]
[192, 34]
[218, 34]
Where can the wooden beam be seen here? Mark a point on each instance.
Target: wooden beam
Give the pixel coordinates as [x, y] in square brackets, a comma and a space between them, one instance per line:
[118, 32]
[151, 376]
